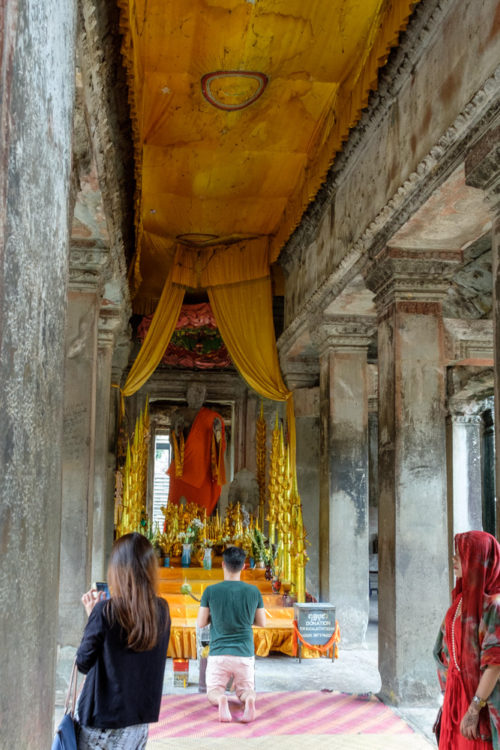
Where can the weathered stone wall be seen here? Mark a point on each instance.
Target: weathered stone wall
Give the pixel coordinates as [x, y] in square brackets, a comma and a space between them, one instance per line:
[37, 90]
[433, 76]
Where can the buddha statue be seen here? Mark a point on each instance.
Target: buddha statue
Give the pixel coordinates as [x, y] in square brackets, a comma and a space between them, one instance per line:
[197, 471]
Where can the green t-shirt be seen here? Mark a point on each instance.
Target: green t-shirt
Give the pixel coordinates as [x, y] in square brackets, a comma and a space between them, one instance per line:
[232, 607]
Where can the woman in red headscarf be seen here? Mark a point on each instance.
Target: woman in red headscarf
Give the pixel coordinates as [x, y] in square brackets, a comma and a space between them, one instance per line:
[468, 647]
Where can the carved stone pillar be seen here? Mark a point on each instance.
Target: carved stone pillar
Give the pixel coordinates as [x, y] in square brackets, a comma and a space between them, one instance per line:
[482, 170]
[464, 472]
[488, 464]
[103, 500]
[343, 531]
[413, 541]
[79, 438]
[37, 102]
[239, 432]
[373, 474]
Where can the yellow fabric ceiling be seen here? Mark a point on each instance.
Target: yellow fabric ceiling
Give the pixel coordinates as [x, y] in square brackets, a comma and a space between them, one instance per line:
[207, 174]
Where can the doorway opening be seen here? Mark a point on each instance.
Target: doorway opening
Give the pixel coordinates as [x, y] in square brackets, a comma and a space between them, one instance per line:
[161, 480]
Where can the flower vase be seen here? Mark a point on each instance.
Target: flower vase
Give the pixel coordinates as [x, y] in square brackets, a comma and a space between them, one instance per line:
[186, 555]
[207, 558]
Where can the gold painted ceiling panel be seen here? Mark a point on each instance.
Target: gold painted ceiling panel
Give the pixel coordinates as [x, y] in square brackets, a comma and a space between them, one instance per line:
[238, 109]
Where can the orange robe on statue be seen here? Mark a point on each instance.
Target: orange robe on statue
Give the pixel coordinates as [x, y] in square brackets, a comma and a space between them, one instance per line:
[203, 472]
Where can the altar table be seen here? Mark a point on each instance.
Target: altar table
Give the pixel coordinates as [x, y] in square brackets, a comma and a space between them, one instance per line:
[276, 636]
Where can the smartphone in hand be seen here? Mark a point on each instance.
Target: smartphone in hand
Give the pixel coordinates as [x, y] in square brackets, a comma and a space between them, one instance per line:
[102, 586]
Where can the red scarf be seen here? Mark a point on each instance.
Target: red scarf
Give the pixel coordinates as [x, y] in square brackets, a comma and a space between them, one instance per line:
[480, 557]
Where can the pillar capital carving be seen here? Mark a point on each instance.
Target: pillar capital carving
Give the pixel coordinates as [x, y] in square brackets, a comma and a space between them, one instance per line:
[344, 332]
[86, 266]
[470, 419]
[303, 373]
[482, 166]
[417, 279]
[110, 322]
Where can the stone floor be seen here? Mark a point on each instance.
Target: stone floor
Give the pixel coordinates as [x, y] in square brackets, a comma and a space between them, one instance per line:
[355, 671]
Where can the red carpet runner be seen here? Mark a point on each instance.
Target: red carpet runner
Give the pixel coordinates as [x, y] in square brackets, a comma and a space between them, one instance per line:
[311, 712]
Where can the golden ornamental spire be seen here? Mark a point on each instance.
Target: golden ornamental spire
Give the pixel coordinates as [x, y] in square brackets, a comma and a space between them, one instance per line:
[260, 434]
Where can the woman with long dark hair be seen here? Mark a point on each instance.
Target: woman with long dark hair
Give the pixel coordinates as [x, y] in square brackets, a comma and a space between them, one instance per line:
[123, 652]
[468, 647]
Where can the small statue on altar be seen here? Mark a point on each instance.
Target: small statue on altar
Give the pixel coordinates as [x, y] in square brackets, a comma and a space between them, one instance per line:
[197, 471]
[244, 489]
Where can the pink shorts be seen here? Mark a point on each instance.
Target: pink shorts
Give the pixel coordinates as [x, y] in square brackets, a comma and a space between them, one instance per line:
[220, 669]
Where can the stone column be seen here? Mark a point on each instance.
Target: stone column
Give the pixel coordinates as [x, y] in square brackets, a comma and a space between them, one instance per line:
[488, 462]
[103, 501]
[37, 78]
[464, 472]
[343, 531]
[482, 170]
[373, 490]
[413, 541]
[239, 433]
[79, 440]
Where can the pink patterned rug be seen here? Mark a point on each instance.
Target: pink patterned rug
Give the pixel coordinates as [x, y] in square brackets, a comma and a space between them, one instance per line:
[311, 712]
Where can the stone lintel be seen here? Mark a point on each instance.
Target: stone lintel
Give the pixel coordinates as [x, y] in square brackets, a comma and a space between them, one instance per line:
[165, 385]
[482, 165]
[344, 333]
[469, 388]
[468, 339]
[414, 278]
[442, 159]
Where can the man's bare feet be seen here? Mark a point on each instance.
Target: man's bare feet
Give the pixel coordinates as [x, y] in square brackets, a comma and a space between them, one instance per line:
[249, 713]
[224, 712]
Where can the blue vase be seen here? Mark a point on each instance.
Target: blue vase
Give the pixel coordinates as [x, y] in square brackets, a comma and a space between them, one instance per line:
[186, 555]
[207, 558]
[166, 562]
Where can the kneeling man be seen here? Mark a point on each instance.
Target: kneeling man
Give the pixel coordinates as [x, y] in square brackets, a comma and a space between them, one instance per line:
[231, 607]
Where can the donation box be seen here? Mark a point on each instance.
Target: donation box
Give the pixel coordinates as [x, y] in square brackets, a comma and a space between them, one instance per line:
[315, 622]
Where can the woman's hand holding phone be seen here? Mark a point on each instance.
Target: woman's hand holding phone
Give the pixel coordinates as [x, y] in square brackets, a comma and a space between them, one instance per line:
[90, 599]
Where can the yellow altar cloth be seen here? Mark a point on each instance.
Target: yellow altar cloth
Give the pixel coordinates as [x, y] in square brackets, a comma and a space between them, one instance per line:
[276, 636]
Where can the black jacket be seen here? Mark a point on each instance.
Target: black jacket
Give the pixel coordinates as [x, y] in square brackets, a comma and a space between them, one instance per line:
[123, 687]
